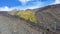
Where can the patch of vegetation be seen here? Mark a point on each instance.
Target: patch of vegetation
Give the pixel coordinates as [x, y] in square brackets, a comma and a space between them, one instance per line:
[27, 15]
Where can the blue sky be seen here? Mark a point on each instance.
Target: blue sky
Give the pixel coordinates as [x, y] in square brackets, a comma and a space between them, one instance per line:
[6, 5]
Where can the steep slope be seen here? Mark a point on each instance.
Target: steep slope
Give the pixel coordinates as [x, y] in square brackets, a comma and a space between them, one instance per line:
[49, 16]
[12, 25]
[48, 19]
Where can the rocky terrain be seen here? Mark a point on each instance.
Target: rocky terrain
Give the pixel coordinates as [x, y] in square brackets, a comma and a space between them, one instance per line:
[48, 22]
[49, 16]
[12, 25]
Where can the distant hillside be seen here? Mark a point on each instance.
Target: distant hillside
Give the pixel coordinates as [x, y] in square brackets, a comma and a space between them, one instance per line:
[3, 12]
[48, 7]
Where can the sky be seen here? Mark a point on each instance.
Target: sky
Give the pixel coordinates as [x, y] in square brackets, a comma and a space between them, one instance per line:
[7, 5]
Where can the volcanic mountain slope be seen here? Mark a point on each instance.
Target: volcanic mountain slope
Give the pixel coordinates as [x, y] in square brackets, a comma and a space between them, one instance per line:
[49, 16]
[12, 25]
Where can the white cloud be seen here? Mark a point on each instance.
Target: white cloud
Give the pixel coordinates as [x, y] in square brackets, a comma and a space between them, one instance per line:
[24, 1]
[37, 6]
[33, 7]
[56, 2]
[6, 8]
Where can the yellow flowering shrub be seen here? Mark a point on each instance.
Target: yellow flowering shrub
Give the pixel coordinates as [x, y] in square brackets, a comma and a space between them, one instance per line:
[24, 14]
[33, 19]
[27, 15]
